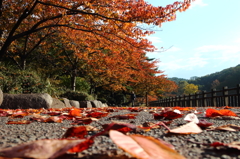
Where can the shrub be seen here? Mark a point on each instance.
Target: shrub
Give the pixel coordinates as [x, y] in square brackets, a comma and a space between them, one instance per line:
[14, 82]
[78, 96]
[81, 84]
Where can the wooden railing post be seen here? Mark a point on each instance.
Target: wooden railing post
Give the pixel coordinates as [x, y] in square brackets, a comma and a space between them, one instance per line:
[196, 99]
[213, 97]
[179, 100]
[204, 100]
[225, 97]
[190, 100]
[238, 95]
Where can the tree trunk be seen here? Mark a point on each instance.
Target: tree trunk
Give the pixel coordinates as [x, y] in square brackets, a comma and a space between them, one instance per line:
[146, 99]
[23, 63]
[73, 80]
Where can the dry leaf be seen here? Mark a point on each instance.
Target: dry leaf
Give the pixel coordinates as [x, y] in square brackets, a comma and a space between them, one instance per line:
[189, 128]
[191, 117]
[229, 127]
[226, 117]
[41, 148]
[144, 147]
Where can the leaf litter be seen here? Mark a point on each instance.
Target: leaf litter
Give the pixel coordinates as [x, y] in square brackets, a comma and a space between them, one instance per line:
[76, 138]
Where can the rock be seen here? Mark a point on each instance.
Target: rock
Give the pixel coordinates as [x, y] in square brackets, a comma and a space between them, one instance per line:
[26, 101]
[96, 104]
[57, 103]
[74, 103]
[104, 105]
[67, 102]
[85, 104]
[1, 97]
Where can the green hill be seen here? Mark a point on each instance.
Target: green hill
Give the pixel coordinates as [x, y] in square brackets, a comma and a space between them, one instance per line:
[228, 77]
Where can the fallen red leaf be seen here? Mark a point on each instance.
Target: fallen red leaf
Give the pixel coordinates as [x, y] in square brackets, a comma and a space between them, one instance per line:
[223, 112]
[119, 126]
[226, 112]
[79, 132]
[75, 112]
[97, 115]
[82, 146]
[167, 115]
[204, 124]
[3, 113]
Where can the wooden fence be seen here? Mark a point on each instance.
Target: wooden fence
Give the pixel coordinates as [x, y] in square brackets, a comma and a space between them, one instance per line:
[225, 97]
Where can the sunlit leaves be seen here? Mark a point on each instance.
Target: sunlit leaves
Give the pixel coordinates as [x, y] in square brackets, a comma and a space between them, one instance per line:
[143, 146]
[223, 112]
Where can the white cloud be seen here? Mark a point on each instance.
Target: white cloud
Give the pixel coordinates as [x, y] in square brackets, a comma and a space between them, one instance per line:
[222, 53]
[180, 63]
[198, 3]
[223, 48]
[154, 39]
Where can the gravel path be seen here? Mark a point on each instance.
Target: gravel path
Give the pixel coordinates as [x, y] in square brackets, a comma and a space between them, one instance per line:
[103, 147]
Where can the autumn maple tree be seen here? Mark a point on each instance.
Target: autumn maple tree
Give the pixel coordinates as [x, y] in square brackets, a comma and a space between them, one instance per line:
[102, 18]
[102, 40]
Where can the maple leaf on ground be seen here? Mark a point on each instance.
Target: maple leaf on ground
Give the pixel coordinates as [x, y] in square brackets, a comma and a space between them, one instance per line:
[119, 126]
[75, 112]
[223, 112]
[229, 127]
[97, 115]
[53, 119]
[51, 148]
[204, 124]
[167, 115]
[82, 146]
[3, 113]
[189, 128]
[144, 146]
[79, 132]
[20, 114]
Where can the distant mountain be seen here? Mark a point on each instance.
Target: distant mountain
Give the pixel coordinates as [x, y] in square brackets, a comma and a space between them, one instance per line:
[176, 79]
[228, 77]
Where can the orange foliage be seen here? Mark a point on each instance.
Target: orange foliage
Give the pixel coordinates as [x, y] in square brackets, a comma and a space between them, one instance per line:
[223, 112]
[104, 34]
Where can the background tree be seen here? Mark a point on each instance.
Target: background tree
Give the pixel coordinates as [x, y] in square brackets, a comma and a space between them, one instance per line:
[215, 83]
[181, 86]
[190, 89]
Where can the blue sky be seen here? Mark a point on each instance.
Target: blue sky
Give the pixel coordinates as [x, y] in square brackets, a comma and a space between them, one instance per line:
[203, 40]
